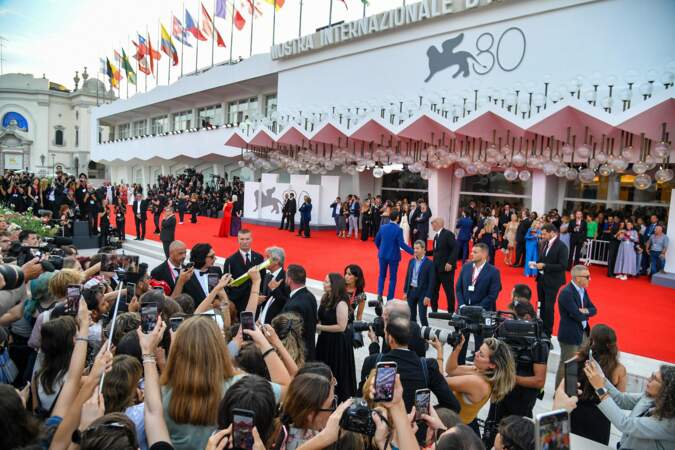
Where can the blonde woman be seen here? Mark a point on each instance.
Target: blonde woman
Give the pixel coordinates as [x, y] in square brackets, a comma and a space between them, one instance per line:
[491, 377]
[510, 236]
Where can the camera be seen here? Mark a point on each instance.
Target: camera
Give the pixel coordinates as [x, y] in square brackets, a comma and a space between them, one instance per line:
[13, 276]
[377, 324]
[469, 319]
[447, 337]
[377, 305]
[522, 336]
[358, 418]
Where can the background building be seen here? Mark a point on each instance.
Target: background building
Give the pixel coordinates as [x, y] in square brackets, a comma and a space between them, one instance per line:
[44, 126]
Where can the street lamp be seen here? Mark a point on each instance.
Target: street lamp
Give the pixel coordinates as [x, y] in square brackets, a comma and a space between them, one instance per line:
[53, 155]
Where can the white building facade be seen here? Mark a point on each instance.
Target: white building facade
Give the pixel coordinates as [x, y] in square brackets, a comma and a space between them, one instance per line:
[459, 88]
[45, 127]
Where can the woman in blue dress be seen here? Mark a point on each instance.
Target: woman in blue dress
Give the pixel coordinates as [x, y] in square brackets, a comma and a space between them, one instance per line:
[532, 248]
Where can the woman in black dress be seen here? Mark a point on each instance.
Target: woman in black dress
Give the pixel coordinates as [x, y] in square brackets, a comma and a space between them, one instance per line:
[586, 419]
[120, 218]
[104, 223]
[334, 345]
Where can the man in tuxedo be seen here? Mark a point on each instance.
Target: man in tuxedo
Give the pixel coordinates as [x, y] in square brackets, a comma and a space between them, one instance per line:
[284, 213]
[419, 280]
[413, 212]
[335, 211]
[575, 307]
[302, 302]
[238, 264]
[444, 253]
[478, 284]
[195, 281]
[504, 218]
[521, 232]
[80, 192]
[392, 309]
[421, 226]
[551, 276]
[354, 214]
[140, 208]
[170, 270]
[274, 292]
[167, 233]
[389, 242]
[292, 209]
[578, 230]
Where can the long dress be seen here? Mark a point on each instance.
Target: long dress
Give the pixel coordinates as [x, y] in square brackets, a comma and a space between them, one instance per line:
[225, 222]
[405, 226]
[626, 261]
[531, 251]
[235, 224]
[335, 349]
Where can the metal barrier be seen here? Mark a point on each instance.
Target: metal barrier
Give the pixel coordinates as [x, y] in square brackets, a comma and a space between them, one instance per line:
[595, 252]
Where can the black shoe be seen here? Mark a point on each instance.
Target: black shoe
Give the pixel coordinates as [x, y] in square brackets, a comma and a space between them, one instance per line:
[137, 239]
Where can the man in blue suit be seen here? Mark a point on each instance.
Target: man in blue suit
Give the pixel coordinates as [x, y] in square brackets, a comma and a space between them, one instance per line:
[464, 233]
[478, 284]
[419, 281]
[389, 242]
[575, 307]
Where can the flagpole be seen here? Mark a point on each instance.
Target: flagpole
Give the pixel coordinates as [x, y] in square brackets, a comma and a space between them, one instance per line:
[169, 60]
[330, 14]
[274, 20]
[232, 32]
[300, 21]
[199, 14]
[364, 8]
[97, 72]
[213, 27]
[182, 43]
[250, 52]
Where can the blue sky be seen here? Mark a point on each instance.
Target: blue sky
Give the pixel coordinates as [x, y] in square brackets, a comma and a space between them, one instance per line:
[57, 37]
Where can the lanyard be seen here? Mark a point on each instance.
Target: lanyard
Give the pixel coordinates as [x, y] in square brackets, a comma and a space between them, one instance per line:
[474, 275]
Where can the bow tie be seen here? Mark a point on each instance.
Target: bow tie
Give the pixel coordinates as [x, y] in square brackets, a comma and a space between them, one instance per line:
[202, 273]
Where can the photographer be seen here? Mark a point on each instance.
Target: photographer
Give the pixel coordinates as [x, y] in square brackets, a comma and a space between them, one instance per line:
[416, 373]
[401, 308]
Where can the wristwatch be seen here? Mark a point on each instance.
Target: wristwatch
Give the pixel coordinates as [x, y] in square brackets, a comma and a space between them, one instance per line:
[601, 392]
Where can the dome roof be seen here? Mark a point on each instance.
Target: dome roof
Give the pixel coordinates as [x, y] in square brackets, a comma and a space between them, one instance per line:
[89, 86]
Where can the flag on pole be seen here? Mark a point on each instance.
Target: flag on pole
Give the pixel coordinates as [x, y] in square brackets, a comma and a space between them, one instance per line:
[144, 66]
[219, 40]
[141, 48]
[154, 55]
[179, 32]
[221, 9]
[207, 24]
[131, 75]
[239, 20]
[252, 8]
[193, 27]
[277, 3]
[113, 73]
[167, 45]
[344, 2]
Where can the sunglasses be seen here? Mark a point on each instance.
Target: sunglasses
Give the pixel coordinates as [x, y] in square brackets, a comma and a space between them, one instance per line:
[333, 405]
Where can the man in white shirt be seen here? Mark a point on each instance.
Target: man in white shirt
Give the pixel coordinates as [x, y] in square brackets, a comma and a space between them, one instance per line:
[274, 293]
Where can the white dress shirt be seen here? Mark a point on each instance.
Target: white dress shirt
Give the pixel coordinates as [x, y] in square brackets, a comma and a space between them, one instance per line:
[270, 300]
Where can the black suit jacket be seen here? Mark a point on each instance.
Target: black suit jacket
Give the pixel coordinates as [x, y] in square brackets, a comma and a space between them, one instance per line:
[521, 231]
[555, 263]
[571, 330]
[292, 206]
[416, 344]
[444, 251]
[412, 377]
[580, 235]
[235, 265]
[304, 304]
[144, 210]
[163, 273]
[281, 295]
[167, 231]
[194, 288]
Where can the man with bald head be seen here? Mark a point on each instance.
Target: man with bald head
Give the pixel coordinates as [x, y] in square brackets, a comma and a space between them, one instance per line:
[444, 253]
[170, 269]
[398, 308]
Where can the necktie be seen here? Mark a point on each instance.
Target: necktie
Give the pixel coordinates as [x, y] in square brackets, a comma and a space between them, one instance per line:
[266, 288]
[247, 260]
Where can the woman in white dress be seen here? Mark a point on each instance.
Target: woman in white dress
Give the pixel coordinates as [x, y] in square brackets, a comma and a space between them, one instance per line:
[405, 226]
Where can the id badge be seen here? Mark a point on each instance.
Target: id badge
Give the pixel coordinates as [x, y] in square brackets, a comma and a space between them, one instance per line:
[471, 288]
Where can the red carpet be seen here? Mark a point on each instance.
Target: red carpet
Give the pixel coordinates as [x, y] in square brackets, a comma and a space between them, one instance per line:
[641, 313]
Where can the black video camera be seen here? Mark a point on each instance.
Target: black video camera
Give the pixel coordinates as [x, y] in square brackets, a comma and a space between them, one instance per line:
[358, 418]
[377, 325]
[522, 336]
[469, 319]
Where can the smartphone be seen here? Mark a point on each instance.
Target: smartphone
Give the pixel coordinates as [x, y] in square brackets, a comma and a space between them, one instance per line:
[552, 430]
[108, 263]
[213, 279]
[148, 317]
[131, 291]
[174, 322]
[385, 377]
[188, 266]
[242, 429]
[422, 402]
[571, 373]
[247, 323]
[73, 294]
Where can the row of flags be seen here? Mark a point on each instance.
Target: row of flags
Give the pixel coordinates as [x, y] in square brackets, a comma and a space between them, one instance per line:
[201, 30]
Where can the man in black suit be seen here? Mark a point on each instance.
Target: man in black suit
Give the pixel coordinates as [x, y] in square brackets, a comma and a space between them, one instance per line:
[578, 231]
[140, 208]
[551, 265]
[292, 209]
[274, 292]
[238, 264]
[445, 261]
[80, 192]
[398, 308]
[170, 270]
[195, 281]
[521, 232]
[284, 213]
[575, 307]
[167, 233]
[302, 302]
[415, 372]
[336, 212]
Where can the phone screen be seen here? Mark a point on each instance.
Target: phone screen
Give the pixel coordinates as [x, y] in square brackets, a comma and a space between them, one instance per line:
[73, 294]
[242, 429]
[108, 263]
[422, 402]
[385, 377]
[148, 317]
[247, 323]
[131, 291]
[553, 430]
[212, 280]
[174, 322]
[571, 372]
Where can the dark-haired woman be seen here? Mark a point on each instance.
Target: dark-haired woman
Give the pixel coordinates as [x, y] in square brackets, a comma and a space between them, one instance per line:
[355, 284]
[334, 345]
[19, 427]
[586, 419]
